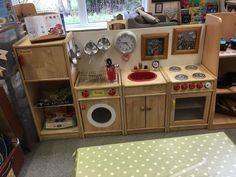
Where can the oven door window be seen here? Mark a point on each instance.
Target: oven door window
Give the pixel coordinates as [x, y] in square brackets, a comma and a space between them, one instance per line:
[191, 108]
[101, 115]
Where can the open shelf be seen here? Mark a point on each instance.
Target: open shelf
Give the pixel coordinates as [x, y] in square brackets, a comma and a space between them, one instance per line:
[60, 131]
[226, 91]
[51, 79]
[49, 92]
[228, 53]
[61, 105]
[222, 120]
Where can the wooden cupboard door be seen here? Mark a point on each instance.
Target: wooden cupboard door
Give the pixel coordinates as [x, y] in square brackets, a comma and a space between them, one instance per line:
[135, 112]
[42, 62]
[155, 111]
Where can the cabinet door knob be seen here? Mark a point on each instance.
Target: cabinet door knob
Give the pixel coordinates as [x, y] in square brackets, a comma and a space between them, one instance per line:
[149, 108]
[142, 108]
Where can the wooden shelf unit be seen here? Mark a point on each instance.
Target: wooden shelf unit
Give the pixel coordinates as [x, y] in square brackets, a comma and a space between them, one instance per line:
[226, 90]
[229, 53]
[45, 67]
[222, 120]
[220, 25]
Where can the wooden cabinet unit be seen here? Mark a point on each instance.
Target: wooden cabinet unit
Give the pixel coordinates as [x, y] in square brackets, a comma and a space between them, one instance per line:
[48, 78]
[147, 112]
[220, 25]
[144, 112]
[144, 103]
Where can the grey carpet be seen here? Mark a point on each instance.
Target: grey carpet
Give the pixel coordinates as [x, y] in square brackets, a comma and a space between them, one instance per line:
[54, 158]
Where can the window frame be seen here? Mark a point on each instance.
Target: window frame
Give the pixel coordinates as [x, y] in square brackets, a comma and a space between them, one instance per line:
[84, 22]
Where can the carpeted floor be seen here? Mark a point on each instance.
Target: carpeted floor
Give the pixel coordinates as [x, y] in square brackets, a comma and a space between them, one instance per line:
[55, 158]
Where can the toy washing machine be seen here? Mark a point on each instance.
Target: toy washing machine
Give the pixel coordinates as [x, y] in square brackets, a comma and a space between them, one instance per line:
[99, 103]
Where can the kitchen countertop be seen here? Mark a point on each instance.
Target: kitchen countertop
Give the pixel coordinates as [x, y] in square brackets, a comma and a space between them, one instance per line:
[128, 83]
[201, 69]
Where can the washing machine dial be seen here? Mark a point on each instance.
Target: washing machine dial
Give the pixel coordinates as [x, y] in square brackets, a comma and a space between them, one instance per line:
[111, 92]
[83, 107]
[208, 85]
[85, 93]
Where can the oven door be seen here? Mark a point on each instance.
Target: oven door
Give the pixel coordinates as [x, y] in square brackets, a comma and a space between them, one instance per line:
[190, 109]
[101, 115]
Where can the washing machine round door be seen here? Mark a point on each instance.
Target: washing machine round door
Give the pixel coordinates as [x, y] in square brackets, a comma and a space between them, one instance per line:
[101, 115]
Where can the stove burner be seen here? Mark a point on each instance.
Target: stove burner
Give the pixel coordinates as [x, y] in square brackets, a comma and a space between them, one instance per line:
[199, 75]
[174, 68]
[191, 67]
[181, 77]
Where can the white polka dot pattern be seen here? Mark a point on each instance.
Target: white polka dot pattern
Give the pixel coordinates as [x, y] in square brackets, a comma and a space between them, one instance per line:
[192, 156]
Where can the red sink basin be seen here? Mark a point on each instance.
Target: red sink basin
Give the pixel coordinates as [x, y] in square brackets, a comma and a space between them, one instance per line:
[142, 76]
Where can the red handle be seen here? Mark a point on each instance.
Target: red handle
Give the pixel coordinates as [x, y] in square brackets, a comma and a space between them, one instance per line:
[21, 60]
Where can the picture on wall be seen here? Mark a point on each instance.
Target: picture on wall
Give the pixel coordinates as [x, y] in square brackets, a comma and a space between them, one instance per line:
[154, 44]
[186, 40]
[158, 8]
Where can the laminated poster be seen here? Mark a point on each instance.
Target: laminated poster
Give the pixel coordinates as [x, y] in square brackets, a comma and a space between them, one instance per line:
[44, 25]
[6, 12]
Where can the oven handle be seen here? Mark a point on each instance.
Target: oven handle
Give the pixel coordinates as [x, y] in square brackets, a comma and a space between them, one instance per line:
[173, 104]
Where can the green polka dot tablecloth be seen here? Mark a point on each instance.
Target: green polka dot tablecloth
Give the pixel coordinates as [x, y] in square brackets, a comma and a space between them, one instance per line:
[212, 155]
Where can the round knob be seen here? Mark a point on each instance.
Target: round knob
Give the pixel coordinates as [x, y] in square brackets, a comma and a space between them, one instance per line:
[83, 107]
[142, 108]
[199, 85]
[176, 87]
[111, 92]
[208, 85]
[191, 86]
[184, 86]
[85, 93]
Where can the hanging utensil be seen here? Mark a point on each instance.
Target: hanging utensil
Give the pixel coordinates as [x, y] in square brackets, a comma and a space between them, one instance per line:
[108, 62]
[90, 49]
[75, 54]
[103, 43]
[77, 51]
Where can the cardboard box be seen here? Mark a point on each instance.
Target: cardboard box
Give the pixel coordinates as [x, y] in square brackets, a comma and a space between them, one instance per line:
[45, 27]
[7, 15]
[59, 118]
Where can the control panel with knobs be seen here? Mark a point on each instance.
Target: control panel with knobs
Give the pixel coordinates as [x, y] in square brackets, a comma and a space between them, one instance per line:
[192, 86]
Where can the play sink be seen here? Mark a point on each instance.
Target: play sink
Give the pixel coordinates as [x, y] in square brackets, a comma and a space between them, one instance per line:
[142, 76]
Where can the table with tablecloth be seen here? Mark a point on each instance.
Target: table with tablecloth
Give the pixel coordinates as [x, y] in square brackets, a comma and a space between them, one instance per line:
[212, 154]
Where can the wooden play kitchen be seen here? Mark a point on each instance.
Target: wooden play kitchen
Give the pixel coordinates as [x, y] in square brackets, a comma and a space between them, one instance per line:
[81, 100]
